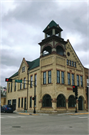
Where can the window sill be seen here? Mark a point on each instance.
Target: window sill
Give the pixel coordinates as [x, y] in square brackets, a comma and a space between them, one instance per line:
[22, 89]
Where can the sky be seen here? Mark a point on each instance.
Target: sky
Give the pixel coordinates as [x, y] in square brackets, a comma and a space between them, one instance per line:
[22, 23]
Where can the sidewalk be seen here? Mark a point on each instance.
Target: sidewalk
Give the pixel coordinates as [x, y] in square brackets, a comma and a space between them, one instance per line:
[51, 113]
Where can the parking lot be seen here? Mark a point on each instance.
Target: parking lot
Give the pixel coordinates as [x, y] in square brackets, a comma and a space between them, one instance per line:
[12, 123]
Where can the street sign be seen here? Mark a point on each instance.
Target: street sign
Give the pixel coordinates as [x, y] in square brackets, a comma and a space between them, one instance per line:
[18, 81]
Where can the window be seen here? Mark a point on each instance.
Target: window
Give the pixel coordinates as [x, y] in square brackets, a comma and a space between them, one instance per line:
[22, 103]
[20, 86]
[68, 78]
[77, 80]
[62, 77]
[44, 77]
[72, 63]
[24, 82]
[19, 103]
[58, 76]
[31, 81]
[35, 79]
[67, 62]
[23, 69]
[49, 76]
[15, 87]
[72, 79]
[11, 87]
[30, 102]
[81, 81]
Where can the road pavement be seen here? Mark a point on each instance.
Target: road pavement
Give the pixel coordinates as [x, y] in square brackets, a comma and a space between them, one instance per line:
[42, 124]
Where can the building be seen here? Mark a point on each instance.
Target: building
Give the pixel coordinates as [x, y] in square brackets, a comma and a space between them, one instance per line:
[54, 74]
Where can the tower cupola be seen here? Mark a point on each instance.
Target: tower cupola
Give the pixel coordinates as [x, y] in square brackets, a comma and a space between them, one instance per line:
[52, 29]
[52, 43]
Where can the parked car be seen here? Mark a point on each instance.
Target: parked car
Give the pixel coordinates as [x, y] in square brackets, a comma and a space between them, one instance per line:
[8, 108]
[2, 110]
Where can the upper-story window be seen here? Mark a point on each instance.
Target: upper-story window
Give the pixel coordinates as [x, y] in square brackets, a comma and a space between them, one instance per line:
[15, 87]
[81, 81]
[23, 69]
[20, 85]
[24, 83]
[62, 77]
[72, 79]
[8, 87]
[31, 81]
[72, 64]
[35, 79]
[58, 76]
[77, 80]
[68, 78]
[44, 77]
[67, 62]
[49, 76]
[11, 87]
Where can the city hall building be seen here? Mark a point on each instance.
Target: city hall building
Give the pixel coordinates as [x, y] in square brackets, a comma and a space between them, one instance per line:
[50, 78]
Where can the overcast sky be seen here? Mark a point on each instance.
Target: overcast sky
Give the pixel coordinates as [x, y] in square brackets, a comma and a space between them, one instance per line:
[22, 23]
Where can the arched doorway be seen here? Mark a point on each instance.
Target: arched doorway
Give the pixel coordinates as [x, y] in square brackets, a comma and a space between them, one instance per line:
[80, 103]
[71, 101]
[61, 101]
[46, 102]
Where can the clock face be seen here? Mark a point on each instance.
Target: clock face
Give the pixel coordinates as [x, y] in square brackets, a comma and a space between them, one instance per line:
[68, 53]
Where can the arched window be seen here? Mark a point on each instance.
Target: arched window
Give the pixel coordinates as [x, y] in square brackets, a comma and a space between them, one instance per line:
[47, 50]
[71, 101]
[60, 50]
[61, 101]
[46, 102]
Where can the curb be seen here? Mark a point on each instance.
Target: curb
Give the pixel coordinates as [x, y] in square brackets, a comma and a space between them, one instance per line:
[78, 113]
[27, 114]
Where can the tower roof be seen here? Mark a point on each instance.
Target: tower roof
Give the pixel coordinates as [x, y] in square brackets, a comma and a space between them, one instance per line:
[52, 24]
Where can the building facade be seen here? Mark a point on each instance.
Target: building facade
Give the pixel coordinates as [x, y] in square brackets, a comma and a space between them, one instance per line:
[53, 74]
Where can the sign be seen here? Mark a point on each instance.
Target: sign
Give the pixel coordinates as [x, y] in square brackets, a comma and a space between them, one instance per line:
[18, 81]
[87, 82]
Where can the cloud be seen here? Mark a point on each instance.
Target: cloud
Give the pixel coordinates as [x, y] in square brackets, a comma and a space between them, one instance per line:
[23, 22]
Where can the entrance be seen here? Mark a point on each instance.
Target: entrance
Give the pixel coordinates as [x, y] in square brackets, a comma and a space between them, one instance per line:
[80, 103]
[14, 104]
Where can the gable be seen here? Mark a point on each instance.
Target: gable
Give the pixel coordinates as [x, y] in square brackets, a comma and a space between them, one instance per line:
[73, 56]
[23, 67]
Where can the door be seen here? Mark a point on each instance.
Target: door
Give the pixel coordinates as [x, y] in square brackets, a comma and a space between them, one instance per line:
[80, 103]
[14, 104]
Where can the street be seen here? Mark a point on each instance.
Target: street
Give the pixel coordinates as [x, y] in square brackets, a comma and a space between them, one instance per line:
[44, 124]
